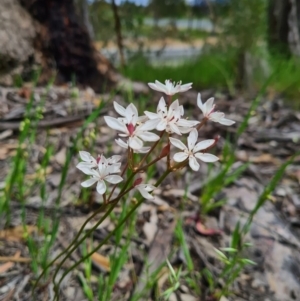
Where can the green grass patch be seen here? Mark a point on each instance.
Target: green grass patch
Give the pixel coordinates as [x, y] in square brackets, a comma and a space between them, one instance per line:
[209, 70]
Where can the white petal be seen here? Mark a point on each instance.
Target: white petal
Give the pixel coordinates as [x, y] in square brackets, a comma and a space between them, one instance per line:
[149, 125]
[180, 157]
[101, 187]
[174, 106]
[121, 143]
[114, 159]
[161, 126]
[85, 156]
[115, 124]
[192, 139]
[226, 121]
[142, 119]
[114, 179]
[161, 105]
[151, 115]
[181, 110]
[203, 145]
[216, 116]
[187, 123]
[148, 136]
[114, 168]
[209, 105]
[200, 104]
[157, 86]
[184, 130]
[85, 169]
[119, 109]
[177, 143]
[185, 87]
[83, 165]
[135, 142]
[193, 163]
[144, 191]
[142, 150]
[162, 87]
[131, 114]
[89, 182]
[207, 157]
[174, 128]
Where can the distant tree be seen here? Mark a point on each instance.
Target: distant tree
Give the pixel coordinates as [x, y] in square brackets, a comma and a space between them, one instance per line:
[168, 8]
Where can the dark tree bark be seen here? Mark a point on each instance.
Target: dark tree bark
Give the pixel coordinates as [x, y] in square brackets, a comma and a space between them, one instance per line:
[61, 41]
[278, 27]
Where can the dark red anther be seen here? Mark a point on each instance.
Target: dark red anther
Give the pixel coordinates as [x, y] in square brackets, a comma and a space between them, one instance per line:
[98, 159]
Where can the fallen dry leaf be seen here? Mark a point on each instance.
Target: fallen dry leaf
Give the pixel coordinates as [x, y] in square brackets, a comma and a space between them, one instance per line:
[17, 233]
[8, 265]
[264, 158]
[101, 261]
[201, 229]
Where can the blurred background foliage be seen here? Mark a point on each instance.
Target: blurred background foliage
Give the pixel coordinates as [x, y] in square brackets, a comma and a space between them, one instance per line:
[225, 44]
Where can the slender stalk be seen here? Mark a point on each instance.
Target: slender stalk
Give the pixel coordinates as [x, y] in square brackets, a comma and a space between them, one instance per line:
[56, 286]
[202, 123]
[115, 186]
[151, 149]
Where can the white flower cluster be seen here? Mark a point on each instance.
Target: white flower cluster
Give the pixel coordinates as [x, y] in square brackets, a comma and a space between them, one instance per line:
[136, 130]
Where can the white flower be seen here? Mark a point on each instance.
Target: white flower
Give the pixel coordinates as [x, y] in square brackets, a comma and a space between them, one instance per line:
[128, 126]
[144, 190]
[208, 111]
[104, 172]
[170, 119]
[193, 150]
[170, 88]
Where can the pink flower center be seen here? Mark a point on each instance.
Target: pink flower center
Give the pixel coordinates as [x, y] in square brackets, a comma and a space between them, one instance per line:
[130, 128]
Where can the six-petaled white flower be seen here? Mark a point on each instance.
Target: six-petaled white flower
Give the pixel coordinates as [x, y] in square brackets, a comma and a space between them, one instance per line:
[144, 190]
[128, 126]
[170, 88]
[105, 171]
[169, 119]
[192, 152]
[208, 111]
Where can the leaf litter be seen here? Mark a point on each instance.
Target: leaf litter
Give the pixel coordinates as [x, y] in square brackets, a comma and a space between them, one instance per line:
[270, 139]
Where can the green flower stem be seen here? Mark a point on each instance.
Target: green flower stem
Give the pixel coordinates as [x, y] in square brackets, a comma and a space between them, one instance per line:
[56, 286]
[74, 240]
[112, 191]
[150, 151]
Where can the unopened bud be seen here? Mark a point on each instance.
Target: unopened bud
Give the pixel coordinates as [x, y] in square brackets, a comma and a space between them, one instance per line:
[165, 151]
[138, 181]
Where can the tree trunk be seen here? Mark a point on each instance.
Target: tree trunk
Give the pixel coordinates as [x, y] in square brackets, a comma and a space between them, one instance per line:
[294, 21]
[51, 34]
[278, 27]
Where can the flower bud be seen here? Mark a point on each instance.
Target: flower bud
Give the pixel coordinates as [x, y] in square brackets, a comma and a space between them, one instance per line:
[138, 181]
[165, 151]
